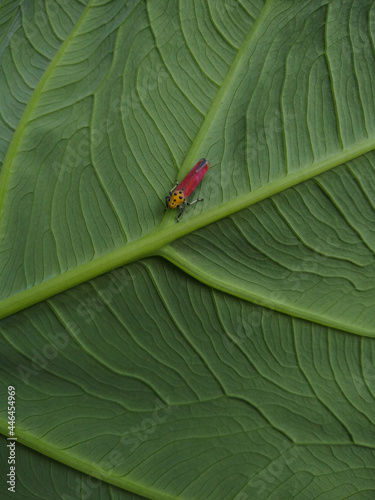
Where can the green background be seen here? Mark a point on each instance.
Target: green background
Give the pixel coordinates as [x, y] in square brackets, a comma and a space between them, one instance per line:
[230, 356]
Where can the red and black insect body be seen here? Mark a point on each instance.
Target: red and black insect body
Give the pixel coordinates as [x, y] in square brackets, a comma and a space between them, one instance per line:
[179, 194]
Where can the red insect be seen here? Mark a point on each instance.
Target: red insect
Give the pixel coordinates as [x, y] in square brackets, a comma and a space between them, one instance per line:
[179, 194]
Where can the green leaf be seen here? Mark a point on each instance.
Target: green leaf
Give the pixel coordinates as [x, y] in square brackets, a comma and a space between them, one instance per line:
[230, 355]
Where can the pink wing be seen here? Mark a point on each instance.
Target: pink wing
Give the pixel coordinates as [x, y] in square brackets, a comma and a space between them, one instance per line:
[193, 178]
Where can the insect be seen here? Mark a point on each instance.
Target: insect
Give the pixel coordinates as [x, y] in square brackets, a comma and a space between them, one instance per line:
[179, 194]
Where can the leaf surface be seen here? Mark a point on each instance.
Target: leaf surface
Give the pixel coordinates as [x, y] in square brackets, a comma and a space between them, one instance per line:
[227, 356]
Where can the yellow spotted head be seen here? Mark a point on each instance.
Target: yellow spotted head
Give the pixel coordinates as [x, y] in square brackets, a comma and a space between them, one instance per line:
[177, 198]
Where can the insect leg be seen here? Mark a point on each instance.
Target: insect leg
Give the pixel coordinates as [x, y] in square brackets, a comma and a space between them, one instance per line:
[174, 187]
[195, 201]
[181, 212]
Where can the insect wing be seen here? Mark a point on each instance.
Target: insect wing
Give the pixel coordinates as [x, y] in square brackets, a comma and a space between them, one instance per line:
[194, 177]
[194, 181]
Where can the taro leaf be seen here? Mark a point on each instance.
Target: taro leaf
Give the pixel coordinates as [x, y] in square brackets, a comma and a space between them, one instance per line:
[230, 355]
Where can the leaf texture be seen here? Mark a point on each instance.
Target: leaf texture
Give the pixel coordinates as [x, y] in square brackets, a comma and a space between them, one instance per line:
[230, 355]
